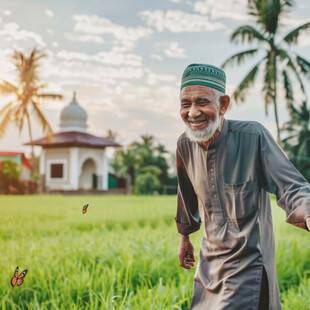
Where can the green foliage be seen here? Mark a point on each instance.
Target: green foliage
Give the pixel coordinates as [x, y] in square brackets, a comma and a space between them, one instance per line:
[9, 174]
[142, 157]
[122, 254]
[279, 64]
[297, 140]
[147, 182]
[11, 169]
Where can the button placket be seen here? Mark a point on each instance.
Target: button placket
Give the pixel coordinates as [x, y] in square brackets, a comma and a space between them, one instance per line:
[217, 210]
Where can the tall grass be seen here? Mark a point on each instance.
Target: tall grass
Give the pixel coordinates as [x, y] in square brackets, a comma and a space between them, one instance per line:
[122, 254]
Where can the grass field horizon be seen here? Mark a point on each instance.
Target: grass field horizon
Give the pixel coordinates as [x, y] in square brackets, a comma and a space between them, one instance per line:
[122, 254]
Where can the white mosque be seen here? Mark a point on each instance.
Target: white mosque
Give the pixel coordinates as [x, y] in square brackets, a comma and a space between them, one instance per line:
[74, 160]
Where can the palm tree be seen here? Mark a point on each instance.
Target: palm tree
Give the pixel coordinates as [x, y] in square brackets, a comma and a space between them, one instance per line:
[111, 135]
[27, 93]
[278, 63]
[297, 141]
[125, 164]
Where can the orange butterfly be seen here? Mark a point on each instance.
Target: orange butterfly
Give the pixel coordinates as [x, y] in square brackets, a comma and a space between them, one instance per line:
[18, 279]
[85, 208]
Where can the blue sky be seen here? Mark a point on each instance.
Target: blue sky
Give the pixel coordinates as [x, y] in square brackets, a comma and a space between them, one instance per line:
[125, 59]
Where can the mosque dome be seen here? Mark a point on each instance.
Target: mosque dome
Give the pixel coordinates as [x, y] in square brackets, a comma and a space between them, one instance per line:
[73, 117]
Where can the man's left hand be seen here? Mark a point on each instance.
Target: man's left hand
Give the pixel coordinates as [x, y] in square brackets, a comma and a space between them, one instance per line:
[308, 222]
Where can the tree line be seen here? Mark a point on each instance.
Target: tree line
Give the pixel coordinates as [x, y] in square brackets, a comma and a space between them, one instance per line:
[145, 164]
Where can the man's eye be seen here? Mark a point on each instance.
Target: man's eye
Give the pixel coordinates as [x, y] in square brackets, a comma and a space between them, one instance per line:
[185, 105]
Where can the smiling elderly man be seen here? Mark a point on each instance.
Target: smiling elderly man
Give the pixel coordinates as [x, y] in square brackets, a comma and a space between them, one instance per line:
[226, 170]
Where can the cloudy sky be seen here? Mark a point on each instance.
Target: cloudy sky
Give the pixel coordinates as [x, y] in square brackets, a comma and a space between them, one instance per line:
[125, 59]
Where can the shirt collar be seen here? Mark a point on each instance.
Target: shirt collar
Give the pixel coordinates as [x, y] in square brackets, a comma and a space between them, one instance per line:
[221, 136]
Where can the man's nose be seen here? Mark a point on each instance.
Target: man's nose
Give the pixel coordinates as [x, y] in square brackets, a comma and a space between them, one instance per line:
[194, 112]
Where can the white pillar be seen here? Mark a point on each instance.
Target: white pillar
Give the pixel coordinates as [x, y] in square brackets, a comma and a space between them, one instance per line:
[42, 162]
[104, 171]
[74, 168]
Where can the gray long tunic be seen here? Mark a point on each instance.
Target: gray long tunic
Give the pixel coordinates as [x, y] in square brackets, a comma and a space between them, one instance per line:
[227, 188]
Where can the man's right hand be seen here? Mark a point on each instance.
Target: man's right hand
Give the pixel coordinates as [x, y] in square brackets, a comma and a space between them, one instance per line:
[186, 253]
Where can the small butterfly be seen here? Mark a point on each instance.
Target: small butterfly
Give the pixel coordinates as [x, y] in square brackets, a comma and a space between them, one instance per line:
[18, 279]
[85, 208]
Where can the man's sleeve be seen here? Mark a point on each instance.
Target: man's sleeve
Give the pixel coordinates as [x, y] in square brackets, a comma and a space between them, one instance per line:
[187, 218]
[280, 177]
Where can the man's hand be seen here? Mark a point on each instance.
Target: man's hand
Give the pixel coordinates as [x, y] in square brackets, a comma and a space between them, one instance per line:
[186, 253]
[308, 222]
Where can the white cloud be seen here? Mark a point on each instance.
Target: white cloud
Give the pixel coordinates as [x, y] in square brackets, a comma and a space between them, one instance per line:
[179, 21]
[156, 56]
[7, 12]
[0, 19]
[154, 79]
[109, 58]
[81, 68]
[231, 9]
[95, 25]
[49, 13]
[55, 44]
[11, 31]
[175, 51]
[50, 31]
[84, 38]
[175, 1]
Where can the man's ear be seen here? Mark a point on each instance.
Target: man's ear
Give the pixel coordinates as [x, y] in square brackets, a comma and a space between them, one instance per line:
[224, 104]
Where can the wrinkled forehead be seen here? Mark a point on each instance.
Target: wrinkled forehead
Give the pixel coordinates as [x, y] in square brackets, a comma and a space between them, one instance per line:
[195, 91]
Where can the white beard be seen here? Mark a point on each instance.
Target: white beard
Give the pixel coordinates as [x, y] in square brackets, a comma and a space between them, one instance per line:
[206, 134]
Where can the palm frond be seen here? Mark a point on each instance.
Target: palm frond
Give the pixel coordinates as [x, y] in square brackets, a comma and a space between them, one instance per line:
[248, 80]
[304, 64]
[21, 124]
[292, 36]
[292, 65]
[240, 57]
[267, 13]
[49, 96]
[5, 121]
[7, 106]
[288, 90]
[45, 125]
[6, 88]
[248, 34]
[269, 82]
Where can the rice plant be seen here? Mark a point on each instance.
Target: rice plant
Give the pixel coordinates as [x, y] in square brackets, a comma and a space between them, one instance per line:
[121, 254]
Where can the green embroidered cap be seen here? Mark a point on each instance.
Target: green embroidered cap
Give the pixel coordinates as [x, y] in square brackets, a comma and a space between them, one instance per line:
[203, 74]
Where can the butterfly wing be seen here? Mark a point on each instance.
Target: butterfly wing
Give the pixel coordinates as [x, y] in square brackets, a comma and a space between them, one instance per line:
[14, 279]
[21, 277]
[85, 208]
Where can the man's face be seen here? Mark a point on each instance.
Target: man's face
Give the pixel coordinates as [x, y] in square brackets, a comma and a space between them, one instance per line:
[200, 110]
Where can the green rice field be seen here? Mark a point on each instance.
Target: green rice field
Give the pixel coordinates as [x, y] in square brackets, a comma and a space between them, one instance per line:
[121, 254]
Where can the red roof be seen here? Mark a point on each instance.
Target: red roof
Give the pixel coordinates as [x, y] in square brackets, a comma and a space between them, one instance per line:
[73, 138]
[24, 159]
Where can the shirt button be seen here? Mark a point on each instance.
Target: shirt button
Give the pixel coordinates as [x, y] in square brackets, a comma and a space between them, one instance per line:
[212, 179]
[213, 186]
[211, 169]
[214, 195]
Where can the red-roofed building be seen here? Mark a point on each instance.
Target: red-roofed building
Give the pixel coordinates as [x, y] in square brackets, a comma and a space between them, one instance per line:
[73, 159]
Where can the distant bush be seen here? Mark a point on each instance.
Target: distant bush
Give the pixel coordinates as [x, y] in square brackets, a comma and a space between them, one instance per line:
[9, 177]
[146, 183]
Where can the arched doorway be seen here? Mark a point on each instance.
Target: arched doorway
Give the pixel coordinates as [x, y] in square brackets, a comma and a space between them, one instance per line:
[88, 177]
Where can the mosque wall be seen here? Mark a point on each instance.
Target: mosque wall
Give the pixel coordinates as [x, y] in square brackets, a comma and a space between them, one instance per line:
[54, 160]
